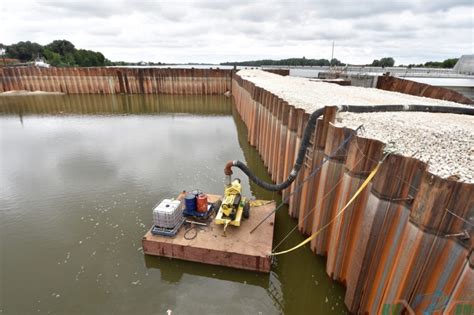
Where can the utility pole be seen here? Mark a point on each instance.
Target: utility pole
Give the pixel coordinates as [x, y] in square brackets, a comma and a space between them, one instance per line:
[332, 54]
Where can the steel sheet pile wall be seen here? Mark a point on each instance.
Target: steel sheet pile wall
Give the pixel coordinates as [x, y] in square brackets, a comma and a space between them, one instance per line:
[394, 84]
[392, 247]
[116, 80]
[283, 72]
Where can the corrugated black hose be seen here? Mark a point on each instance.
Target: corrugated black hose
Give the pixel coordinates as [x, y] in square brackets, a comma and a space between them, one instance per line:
[309, 129]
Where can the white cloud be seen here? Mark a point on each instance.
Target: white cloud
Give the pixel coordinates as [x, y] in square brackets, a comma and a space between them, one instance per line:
[216, 31]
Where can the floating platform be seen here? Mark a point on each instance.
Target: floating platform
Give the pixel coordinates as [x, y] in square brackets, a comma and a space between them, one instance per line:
[238, 249]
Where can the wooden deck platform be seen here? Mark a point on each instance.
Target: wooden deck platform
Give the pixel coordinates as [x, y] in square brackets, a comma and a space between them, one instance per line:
[238, 249]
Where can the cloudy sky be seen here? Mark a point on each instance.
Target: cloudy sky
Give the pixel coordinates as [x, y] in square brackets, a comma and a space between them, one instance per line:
[411, 31]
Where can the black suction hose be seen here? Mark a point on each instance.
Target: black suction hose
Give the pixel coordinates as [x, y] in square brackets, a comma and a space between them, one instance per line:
[299, 160]
[309, 129]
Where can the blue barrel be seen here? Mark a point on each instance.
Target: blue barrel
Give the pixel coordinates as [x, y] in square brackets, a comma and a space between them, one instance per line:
[190, 202]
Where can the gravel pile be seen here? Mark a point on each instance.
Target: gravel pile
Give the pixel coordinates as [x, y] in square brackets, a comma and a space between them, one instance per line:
[311, 95]
[444, 141]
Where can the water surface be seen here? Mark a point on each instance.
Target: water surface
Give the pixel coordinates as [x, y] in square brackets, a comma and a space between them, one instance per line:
[79, 176]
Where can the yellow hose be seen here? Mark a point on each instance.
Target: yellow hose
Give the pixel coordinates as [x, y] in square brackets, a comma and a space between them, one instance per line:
[306, 241]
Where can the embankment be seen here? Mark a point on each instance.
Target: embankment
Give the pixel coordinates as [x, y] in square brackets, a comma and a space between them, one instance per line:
[396, 244]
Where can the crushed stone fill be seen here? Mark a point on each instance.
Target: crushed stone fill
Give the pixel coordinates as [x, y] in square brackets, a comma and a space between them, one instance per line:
[444, 141]
[311, 95]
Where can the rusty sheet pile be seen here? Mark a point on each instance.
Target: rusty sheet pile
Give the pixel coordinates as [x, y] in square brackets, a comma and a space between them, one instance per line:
[116, 80]
[405, 240]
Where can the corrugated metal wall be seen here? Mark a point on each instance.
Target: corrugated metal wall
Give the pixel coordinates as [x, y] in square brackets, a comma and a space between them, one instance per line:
[394, 84]
[391, 248]
[116, 80]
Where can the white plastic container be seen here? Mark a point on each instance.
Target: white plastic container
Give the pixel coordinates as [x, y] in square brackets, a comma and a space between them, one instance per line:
[168, 213]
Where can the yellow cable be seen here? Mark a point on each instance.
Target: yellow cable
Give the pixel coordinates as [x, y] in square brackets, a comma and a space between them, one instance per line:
[306, 241]
[259, 203]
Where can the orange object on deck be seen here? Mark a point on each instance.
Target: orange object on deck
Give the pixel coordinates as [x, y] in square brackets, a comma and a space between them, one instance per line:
[202, 203]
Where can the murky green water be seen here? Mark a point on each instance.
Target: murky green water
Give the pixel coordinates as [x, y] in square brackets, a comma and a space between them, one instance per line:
[78, 178]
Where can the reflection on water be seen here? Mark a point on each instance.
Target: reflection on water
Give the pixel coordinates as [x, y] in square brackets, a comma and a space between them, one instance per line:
[78, 178]
[115, 104]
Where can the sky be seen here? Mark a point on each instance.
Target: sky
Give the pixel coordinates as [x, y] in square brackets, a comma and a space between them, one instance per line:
[213, 31]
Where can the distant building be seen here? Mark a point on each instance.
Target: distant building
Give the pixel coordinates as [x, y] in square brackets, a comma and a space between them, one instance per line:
[39, 62]
[465, 65]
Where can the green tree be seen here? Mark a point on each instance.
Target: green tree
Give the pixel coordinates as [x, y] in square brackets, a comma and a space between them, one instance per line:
[384, 62]
[449, 63]
[89, 58]
[53, 58]
[61, 47]
[335, 62]
[376, 63]
[59, 53]
[69, 59]
[24, 51]
[433, 64]
[387, 62]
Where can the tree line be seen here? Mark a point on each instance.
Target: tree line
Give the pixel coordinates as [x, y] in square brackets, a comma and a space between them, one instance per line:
[445, 64]
[59, 53]
[383, 62]
[285, 62]
[62, 53]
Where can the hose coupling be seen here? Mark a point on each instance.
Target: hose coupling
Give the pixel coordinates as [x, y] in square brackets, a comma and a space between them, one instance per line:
[228, 168]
